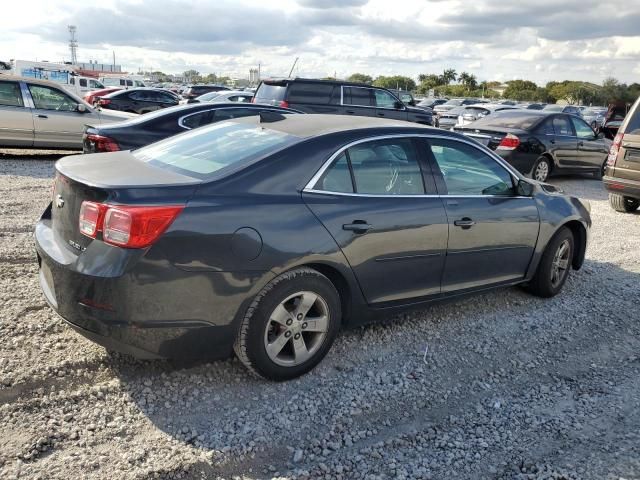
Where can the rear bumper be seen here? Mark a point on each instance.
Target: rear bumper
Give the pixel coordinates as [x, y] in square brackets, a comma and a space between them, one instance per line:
[141, 306]
[622, 186]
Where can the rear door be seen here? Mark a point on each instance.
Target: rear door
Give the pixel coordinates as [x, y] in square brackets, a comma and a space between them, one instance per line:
[313, 97]
[492, 230]
[591, 149]
[372, 199]
[56, 120]
[386, 105]
[358, 101]
[564, 144]
[16, 120]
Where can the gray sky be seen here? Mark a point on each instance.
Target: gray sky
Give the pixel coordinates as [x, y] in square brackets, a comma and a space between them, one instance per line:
[540, 40]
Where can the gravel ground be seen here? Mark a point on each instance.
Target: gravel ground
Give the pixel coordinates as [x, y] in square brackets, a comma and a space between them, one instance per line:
[502, 385]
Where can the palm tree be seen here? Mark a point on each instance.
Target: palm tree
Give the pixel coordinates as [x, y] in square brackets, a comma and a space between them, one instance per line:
[448, 76]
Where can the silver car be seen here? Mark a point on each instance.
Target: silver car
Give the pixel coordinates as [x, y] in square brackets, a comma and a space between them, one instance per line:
[40, 113]
[594, 116]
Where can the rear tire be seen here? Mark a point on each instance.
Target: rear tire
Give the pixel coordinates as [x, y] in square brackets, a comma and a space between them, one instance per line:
[598, 174]
[623, 204]
[279, 338]
[555, 265]
[541, 169]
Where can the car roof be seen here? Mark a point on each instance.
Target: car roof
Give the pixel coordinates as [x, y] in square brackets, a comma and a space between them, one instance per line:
[311, 125]
[37, 81]
[276, 80]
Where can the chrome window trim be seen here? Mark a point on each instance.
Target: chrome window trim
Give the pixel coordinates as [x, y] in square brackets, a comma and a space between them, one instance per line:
[309, 187]
[342, 87]
[240, 105]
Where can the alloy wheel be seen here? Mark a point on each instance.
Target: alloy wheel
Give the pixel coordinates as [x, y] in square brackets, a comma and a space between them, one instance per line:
[296, 328]
[542, 171]
[560, 265]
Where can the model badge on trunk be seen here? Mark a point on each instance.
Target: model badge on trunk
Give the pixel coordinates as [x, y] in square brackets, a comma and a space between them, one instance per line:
[59, 201]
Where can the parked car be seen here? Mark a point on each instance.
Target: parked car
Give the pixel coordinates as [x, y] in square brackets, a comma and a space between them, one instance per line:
[449, 118]
[431, 102]
[536, 106]
[42, 114]
[539, 144]
[223, 97]
[572, 109]
[138, 100]
[622, 173]
[405, 96]
[453, 103]
[471, 113]
[267, 234]
[616, 113]
[195, 91]
[337, 98]
[92, 97]
[594, 116]
[161, 124]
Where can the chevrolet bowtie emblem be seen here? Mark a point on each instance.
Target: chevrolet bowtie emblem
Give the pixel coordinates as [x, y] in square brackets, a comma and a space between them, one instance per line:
[59, 201]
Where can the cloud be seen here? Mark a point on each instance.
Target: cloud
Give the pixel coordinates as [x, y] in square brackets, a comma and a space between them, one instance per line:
[332, 3]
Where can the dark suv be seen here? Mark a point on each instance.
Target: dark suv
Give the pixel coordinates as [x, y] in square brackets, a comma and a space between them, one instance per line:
[622, 173]
[339, 98]
[197, 90]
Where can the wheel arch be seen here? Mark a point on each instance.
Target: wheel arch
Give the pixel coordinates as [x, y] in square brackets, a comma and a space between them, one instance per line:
[339, 282]
[580, 242]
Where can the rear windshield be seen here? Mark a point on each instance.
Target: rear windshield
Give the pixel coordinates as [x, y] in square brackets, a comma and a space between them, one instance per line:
[509, 119]
[271, 94]
[205, 151]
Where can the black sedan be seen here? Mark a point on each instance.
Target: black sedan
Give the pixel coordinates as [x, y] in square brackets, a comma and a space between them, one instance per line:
[138, 100]
[539, 144]
[265, 235]
[155, 126]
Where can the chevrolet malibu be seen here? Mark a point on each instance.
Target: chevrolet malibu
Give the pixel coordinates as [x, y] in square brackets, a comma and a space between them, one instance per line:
[265, 235]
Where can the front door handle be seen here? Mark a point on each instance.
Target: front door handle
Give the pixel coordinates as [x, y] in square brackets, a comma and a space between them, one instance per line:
[465, 223]
[358, 226]
[552, 141]
[42, 116]
[381, 114]
[581, 144]
[350, 112]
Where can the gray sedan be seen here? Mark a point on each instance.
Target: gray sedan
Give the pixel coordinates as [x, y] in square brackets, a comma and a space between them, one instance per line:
[42, 114]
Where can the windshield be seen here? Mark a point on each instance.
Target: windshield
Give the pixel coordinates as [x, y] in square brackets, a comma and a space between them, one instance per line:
[204, 151]
[208, 96]
[553, 108]
[509, 119]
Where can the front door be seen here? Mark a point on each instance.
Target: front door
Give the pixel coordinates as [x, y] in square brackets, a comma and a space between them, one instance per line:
[16, 121]
[591, 149]
[372, 200]
[56, 120]
[492, 230]
[386, 105]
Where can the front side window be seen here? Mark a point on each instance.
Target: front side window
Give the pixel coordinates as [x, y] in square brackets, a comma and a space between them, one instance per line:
[357, 96]
[95, 84]
[47, 98]
[467, 170]
[379, 167]
[583, 130]
[205, 151]
[10, 94]
[384, 99]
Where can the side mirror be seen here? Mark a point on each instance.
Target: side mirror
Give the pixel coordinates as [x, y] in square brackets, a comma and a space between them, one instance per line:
[81, 108]
[599, 135]
[524, 188]
[398, 105]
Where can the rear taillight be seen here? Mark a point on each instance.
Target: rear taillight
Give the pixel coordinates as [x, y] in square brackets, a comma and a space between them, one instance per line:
[104, 101]
[284, 104]
[102, 143]
[615, 148]
[91, 216]
[509, 142]
[126, 226]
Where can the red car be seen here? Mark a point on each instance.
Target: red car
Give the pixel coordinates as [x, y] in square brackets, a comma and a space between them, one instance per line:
[92, 97]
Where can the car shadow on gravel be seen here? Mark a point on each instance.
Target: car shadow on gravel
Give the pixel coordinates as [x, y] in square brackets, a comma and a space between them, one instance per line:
[221, 410]
[580, 186]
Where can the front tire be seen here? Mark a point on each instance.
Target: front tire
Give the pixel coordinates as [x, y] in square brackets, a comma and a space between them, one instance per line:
[541, 169]
[623, 204]
[555, 264]
[290, 325]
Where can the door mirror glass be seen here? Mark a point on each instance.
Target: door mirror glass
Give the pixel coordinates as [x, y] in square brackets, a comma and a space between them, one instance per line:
[524, 188]
[81, 108]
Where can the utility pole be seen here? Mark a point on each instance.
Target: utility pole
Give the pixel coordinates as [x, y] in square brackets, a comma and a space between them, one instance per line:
[73, 44]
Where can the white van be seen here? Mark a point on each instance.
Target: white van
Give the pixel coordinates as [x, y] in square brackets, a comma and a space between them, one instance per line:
[60, 73]
[124, 82]
[82, 85]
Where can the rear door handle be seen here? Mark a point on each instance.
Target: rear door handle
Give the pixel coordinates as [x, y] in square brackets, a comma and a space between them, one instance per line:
[581, 144]
[358, 226]
[465, 223]
[42, 116]
[381, 114]
[350, 112]
[552, 141]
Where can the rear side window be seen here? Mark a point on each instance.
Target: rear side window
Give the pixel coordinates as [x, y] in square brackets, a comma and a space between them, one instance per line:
[357, 96]
[196, 120]
[315, 93]
[269, 93]
[205, 151]
[10, 94]
[231, 113]
[561, 126]
[633, 127]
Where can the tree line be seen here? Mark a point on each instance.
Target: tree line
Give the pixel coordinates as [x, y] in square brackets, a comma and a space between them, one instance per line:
[452, 84]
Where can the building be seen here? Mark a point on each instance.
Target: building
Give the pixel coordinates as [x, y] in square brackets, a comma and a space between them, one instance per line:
[254, 76]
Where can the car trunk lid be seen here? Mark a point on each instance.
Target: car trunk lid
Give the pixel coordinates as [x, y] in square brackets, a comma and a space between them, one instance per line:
[489, 137]
[114, 178]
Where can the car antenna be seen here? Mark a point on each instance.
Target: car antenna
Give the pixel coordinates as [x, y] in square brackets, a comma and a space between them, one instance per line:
[270, 117]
